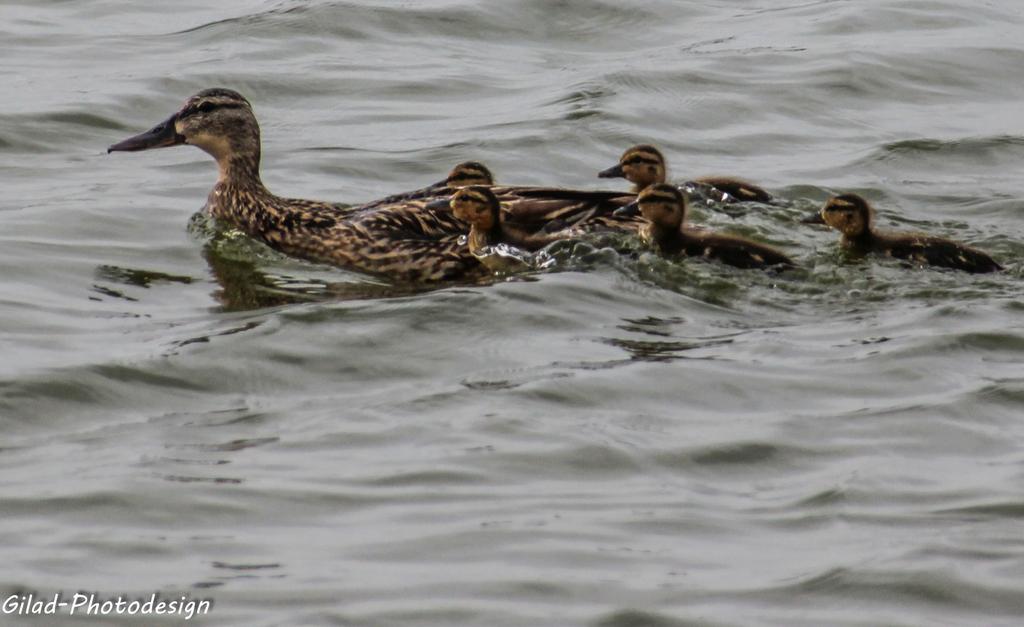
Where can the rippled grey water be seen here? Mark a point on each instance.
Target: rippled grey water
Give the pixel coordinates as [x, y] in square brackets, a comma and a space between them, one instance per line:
[621, 442]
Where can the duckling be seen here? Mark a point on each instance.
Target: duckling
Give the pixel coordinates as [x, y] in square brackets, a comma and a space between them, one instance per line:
[853, 216]
[497, 244]
[664, 206]
[462, 175]
[478, 207]
[644, 165]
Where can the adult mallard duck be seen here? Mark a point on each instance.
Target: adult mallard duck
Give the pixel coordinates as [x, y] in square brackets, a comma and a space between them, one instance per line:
[644, 165]
[854, 217]
[402, 240]
[664, 206]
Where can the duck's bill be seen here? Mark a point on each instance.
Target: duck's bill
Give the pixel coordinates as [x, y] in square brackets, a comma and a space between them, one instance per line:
[614, 172]
[628, 211]
[440, 203]
[160, 136]
[814, 218]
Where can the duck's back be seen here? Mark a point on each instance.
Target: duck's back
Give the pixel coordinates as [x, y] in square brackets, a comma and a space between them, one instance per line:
[935, 251]
[414, 241]
[536, 207]
[427, 193]
[741, 190]
[732, 250]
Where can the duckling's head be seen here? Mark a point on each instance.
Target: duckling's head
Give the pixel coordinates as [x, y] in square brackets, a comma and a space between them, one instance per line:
[849, 214]
[477, 206]
[641, 165]
[663, 206]
[218, 120]
[469, 173]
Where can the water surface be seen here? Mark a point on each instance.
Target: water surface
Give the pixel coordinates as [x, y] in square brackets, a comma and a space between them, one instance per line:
[623, 441]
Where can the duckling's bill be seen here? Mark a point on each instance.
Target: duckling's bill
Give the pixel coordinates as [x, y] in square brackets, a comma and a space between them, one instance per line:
[614, 172]
[628, 211]
[814, 218]
[440, 203]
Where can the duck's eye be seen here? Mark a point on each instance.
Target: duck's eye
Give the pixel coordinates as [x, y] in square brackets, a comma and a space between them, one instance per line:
[204, 107]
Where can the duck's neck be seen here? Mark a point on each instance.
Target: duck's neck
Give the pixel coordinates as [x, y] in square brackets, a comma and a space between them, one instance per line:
[480, 239]
[240, 170]
[642, 184]
[863, 240]
[668, 238]
[239, 197]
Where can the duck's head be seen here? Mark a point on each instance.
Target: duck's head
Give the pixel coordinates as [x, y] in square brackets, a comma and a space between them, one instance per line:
[220, 121]
[477, 206]
[662, 205]
[849, 214]
[641, 165]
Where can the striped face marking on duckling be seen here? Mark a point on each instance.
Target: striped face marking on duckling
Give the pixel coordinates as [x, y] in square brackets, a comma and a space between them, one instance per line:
[643, 165]
[477, 206]
[469, 173]
[663, 205]
[848, 213]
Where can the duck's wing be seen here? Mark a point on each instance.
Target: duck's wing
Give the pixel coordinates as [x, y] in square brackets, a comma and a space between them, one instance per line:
[398, 243]
[537, 206]
[426, 260]
[424, 193]
[733, 250]
[394, 247]
[323, 209]
[941, 252]
[413, 218]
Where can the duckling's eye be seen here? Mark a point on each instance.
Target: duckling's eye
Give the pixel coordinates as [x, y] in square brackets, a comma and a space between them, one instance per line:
[641, 160]
[206, 107]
